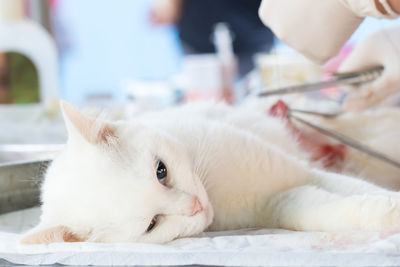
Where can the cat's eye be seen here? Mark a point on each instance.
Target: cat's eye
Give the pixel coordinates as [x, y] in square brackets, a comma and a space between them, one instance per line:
[152, 224]
[161, 172]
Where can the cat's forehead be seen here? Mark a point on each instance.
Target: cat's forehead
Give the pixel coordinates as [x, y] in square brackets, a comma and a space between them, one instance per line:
[110, 160]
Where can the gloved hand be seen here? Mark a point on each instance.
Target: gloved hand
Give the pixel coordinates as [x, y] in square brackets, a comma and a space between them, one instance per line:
[372, 8]
[381, 48]
[316, 28]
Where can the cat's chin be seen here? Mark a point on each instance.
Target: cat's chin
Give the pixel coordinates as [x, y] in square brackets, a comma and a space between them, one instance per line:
[208, 214]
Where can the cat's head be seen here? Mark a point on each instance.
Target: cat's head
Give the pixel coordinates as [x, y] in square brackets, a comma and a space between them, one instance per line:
[120, 182]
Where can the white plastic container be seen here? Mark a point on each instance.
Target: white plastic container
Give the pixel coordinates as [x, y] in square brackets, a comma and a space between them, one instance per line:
[286, 69]
[202, 77]
[31, 40]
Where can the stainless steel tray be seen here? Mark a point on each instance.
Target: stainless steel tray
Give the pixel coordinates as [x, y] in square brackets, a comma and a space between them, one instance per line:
[21, 170]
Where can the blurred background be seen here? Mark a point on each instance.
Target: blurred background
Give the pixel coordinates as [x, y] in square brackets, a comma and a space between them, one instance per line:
[144, 54]
[107, 49]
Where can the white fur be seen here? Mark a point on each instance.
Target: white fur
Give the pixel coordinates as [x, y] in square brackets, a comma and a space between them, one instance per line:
[244, 166]
[377, 129]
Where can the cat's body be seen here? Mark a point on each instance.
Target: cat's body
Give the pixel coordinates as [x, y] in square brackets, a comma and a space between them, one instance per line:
[238, 168]
[377, 129]
[228, 168]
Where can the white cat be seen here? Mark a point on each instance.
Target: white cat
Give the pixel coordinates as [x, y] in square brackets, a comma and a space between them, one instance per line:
[177, 172]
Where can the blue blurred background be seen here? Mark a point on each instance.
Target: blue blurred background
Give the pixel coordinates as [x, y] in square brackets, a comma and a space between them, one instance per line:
[104, 43]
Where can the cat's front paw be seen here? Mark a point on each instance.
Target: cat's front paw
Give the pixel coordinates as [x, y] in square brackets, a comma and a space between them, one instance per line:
[380, 213]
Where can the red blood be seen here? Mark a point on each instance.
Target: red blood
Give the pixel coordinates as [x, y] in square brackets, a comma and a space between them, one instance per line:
[279, 110]
[330, 155]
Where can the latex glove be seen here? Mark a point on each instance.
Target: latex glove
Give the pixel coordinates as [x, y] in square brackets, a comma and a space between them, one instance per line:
[316, 28]
[381, 48]
[368, 8]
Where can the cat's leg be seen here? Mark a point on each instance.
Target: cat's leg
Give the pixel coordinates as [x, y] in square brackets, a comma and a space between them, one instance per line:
[345, 185]
[310, 208]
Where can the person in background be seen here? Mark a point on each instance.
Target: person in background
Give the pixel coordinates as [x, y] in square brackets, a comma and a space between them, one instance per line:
[318, 29]
[196, 19]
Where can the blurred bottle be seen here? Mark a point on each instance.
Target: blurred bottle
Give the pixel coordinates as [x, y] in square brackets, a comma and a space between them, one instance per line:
[224, 47]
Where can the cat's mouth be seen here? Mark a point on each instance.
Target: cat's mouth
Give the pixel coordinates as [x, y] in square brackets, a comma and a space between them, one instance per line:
[198, 208]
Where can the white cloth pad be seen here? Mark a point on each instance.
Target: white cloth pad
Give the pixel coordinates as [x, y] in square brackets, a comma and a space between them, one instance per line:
[250, 247]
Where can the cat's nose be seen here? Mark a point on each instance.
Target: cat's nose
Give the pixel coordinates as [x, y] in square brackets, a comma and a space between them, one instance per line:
[197, 207]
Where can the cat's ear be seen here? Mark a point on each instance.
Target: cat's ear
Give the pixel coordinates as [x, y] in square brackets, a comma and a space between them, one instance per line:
[94, 131]
[52, 235]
